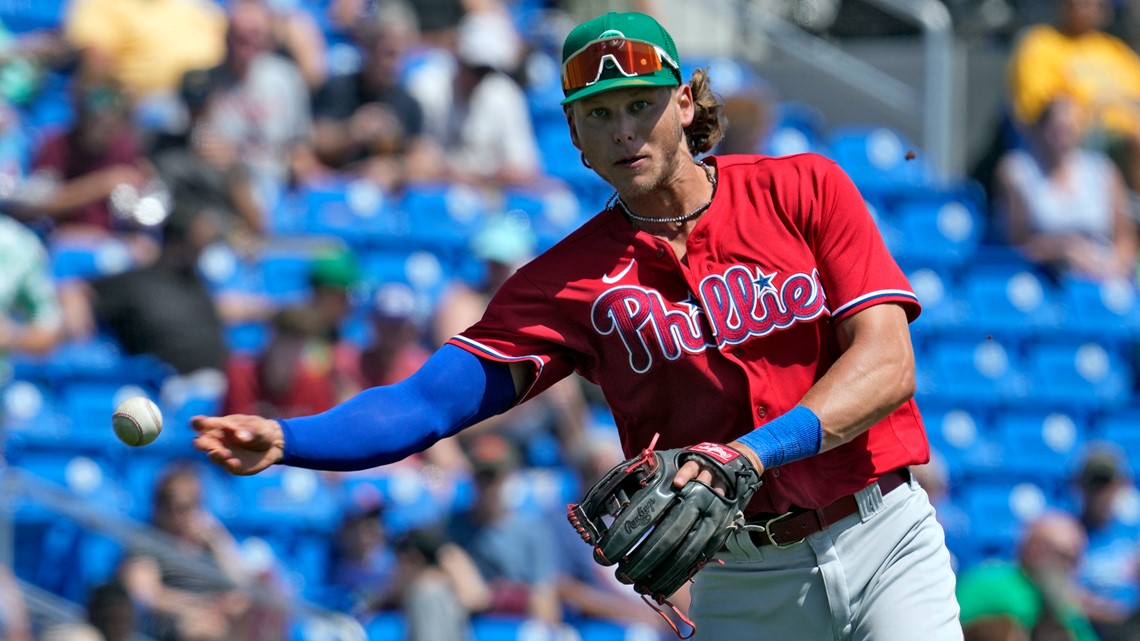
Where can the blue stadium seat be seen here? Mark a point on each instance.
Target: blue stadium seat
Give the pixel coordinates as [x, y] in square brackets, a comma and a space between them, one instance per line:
[998, 513]
[386, 626]
[440, 217]
[545, 490]
[597, 630]
[407, 500]
[975, 373]
[798, 128]
[89, 258]
[60, 556]
[98, 358]
[21, 16]
[89, 477]
[875, 158]
[940, 228]
[1084, 376]
[248, 338]
[1013, 305]
[285, 499]
[729, 75]
[962, 437]
[423, 271]
[30, 416]
[285, 273]
[223, 270]
[544, 94]
[507, 628]
[563, 161]
[1039, 445]
[352, 209]
[1105, 311]
[1122, 427]
[937, 293]
[553, 213]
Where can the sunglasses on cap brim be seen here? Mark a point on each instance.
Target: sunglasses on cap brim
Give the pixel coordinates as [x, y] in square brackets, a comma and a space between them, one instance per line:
[631, 57]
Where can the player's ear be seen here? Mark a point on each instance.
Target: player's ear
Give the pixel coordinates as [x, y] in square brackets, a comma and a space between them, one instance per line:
[684, 98]
[569, 111]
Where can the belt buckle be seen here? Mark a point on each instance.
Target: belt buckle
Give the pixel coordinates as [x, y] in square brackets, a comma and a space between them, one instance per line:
[772, 539]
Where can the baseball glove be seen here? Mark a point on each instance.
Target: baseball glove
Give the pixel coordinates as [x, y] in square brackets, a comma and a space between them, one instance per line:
[660, 536]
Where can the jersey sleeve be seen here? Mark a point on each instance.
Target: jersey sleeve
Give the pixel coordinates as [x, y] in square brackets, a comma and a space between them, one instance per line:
[519, 327]
[854, 264]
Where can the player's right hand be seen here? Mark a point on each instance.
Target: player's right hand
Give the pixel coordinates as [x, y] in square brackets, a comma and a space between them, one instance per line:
[241, 444]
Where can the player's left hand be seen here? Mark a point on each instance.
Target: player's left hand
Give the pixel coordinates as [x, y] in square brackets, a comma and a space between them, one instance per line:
[700, 470]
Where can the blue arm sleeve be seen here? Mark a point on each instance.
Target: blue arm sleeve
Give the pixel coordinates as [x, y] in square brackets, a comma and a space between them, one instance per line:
[453, 390]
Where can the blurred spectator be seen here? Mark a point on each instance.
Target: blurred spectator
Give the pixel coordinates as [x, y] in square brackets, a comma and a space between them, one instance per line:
[15, 624]
[308, 366]
[292, 376]
[750, 114]
[433, 581]
[366, 123]
[1098, 71]
[180, 603]
[259, 100]
[511, 547]
[1110, 571]
[436, 19]
[502, 245]
[364, 563]
[150, 309]
[93, 177]
[440, 587]
[1039, 593]
[298, 37]
[147, 44]
[204, 171]
[30, 316]
[996, 628]
[111, 611]
[398, 346]
[333, 275]
[475, 108]
[1066, 207]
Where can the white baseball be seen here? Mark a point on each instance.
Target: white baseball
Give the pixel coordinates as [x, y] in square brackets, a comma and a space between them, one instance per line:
[137, 421]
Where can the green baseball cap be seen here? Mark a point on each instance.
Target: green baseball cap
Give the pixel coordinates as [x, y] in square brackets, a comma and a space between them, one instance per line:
[627, 26]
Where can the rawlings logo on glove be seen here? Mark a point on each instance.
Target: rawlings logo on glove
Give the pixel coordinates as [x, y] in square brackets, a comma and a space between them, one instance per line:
[658, 535]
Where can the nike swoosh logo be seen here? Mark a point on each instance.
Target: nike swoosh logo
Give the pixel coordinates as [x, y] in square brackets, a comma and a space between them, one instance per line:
[610, 280]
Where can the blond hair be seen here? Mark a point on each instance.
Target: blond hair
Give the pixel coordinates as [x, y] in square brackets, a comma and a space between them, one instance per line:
[709, 122]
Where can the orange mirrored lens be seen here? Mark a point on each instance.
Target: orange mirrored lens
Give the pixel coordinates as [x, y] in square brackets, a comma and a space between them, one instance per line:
[633, 58]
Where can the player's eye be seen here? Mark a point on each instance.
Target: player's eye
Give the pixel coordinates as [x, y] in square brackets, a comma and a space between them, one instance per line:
[639, 105]
[598, 112]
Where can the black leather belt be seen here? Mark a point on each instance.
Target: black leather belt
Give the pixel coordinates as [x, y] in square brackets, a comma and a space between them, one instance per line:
[792, 527]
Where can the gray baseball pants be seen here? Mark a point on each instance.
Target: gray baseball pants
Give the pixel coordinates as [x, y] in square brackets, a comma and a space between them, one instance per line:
[880, 575]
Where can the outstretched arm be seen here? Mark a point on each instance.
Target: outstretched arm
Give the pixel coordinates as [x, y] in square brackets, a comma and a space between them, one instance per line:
[453, 390]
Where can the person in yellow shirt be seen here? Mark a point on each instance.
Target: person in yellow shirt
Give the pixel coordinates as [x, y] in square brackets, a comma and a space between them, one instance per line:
[147, 44]
[1099, 72]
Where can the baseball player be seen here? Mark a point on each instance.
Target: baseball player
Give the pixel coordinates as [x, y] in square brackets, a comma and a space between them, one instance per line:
[742, 301]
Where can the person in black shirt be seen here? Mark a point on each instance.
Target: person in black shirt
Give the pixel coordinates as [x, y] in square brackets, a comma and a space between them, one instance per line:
[366, 123]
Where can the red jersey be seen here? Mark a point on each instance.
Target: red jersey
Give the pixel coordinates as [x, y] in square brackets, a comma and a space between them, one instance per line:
[709, 348]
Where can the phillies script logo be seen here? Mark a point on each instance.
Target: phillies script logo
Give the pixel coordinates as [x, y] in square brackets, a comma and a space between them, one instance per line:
[740, 304]
[642, 518]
